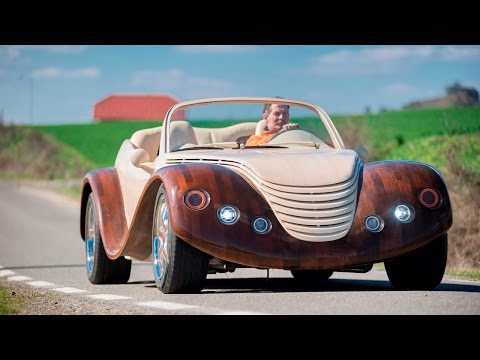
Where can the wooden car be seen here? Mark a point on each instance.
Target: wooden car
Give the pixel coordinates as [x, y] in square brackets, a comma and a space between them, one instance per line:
[193, 198]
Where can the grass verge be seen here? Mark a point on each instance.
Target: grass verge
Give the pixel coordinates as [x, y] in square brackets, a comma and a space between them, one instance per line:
[10, 304]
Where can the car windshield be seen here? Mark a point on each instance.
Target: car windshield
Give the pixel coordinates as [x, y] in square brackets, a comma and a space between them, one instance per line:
[214, 125]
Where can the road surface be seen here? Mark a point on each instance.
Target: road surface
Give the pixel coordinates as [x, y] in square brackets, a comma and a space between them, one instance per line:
[42, 251]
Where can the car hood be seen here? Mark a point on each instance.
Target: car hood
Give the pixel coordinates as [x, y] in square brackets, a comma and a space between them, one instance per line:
[313, 192]
[316, 167]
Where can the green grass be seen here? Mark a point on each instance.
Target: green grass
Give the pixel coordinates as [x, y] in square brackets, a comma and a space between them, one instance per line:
[466, 274]
[98, 142]
[26, 153]
[436, 150]
[389, 130]
[9, 305]
[383, 132]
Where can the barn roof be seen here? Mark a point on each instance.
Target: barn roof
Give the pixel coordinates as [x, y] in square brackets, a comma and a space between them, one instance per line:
[133, 107]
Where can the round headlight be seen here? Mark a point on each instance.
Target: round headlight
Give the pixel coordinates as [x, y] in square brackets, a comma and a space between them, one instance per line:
[196, 199]
[430, 198]
[228, 214]
[261, 225]
[404, 213]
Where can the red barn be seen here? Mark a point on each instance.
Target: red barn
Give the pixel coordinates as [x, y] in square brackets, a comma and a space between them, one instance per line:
[135, 107]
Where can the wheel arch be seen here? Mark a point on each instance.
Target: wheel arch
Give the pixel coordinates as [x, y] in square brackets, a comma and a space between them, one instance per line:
[86, 190]
[104, 184]
[138, 242]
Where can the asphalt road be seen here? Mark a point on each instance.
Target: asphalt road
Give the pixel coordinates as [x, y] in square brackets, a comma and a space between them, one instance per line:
[41, 248]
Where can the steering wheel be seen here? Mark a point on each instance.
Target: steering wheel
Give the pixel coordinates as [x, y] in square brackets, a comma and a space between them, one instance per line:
[292, 136]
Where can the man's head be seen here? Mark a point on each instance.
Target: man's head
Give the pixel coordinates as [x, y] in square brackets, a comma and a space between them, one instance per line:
[276, 115]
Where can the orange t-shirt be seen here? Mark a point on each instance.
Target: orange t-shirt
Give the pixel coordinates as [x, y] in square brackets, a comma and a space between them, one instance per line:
[260, 139]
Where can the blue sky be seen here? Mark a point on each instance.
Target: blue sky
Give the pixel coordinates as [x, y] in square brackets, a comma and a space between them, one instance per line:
[59, 84]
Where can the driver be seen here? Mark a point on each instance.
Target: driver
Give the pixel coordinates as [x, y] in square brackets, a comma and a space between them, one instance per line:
[277, 117]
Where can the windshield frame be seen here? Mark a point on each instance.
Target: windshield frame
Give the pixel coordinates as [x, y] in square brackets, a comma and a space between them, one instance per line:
[322, 115]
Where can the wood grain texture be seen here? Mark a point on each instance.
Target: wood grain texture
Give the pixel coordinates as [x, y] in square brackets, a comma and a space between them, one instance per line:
[105, 185]
[384, 185]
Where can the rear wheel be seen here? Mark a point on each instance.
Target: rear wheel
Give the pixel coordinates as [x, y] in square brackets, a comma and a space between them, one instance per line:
[312, 277]
[178, 267]
[422, 269]
[100, 268]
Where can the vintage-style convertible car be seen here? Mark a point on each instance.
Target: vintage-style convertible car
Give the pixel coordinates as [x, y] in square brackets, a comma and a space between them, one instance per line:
[193, 199]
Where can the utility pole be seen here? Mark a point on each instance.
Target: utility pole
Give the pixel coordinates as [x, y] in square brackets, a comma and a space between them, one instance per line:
[31, 96]
[32, 120]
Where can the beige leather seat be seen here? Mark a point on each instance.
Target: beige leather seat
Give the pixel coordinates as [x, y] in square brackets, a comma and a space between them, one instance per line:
[260, 127]
[148, 139]
[181, 133]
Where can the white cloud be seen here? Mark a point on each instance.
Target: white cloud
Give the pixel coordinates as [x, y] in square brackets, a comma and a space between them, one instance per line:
[170, 80]
[66, 49]
[15, 53]
[181, 84]
[197, 49]
[8, 54]
[398, 88]
[50, 72]
[368, 61]
[388, 59]
[456, 53]
[89, 73]
[54, 72]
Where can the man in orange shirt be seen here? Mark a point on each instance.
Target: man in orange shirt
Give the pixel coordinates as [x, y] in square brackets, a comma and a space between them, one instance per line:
[277, 117]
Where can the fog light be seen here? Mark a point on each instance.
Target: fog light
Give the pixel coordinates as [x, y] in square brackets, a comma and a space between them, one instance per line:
[261, 225]
[374, 223]
[228, 214]
[404, 213]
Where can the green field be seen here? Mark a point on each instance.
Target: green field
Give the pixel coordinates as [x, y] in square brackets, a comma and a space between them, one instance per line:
[381, 133]
[387, 131]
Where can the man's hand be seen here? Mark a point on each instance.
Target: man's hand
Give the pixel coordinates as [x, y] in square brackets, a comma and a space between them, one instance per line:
[290, 126]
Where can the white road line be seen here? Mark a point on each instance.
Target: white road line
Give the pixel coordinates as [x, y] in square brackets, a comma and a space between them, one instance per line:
[6, 273]
[40, 283]
[69, 290]
[19, 278]
[166, 305]
[108, 297]
[240, 312]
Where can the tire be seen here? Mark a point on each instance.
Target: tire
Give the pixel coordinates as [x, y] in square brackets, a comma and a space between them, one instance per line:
[422, 269]
[177, 266]
[311, 277]
[100, 268]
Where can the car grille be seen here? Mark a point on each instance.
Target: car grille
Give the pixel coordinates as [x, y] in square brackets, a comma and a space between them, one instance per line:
[309, 213]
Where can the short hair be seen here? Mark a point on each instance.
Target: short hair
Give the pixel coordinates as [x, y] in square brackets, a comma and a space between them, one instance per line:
[267, 108]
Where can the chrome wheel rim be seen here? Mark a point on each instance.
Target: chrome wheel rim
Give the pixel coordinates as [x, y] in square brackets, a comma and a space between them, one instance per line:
[160, 239]
[90, 237]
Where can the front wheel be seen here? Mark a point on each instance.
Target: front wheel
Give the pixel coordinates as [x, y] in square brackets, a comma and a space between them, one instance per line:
[100, 268]
[422, 269]
[178, 267]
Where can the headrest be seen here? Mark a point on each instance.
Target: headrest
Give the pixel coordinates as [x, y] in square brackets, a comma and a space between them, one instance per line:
[260, 127]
